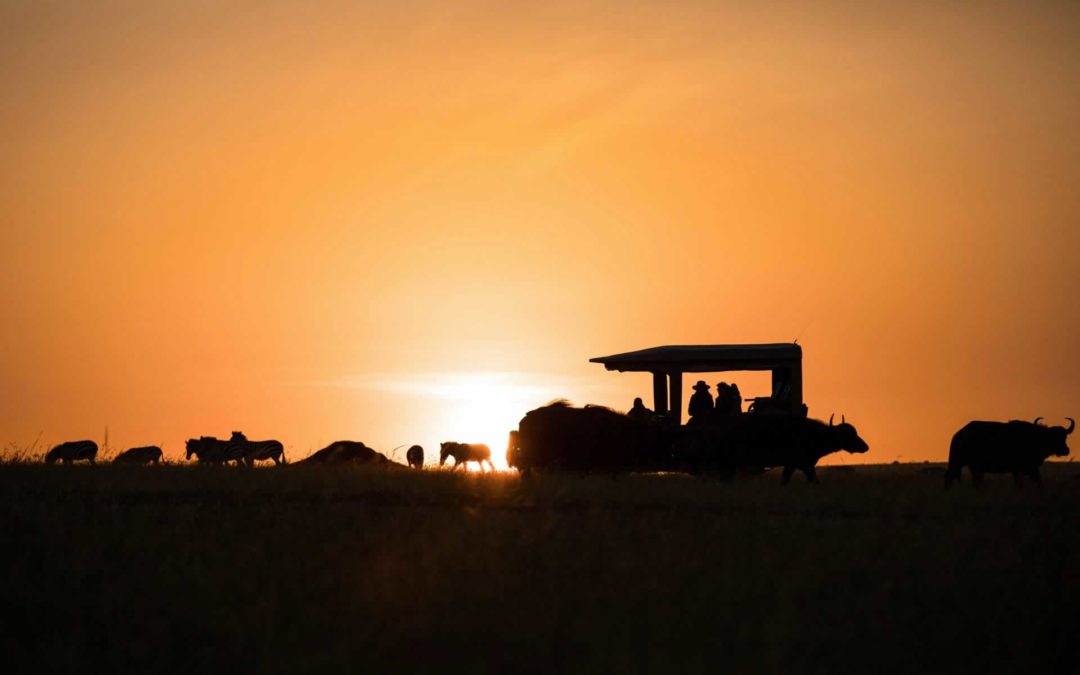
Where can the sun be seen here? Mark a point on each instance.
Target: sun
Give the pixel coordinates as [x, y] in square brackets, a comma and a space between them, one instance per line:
[484, 408]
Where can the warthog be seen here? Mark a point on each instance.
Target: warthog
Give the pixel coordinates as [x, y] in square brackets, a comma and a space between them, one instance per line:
[415, 457]
[72, 451]
[1014, 447]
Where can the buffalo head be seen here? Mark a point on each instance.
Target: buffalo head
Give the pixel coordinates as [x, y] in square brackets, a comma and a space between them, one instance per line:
[845, 437]
[1060, 446]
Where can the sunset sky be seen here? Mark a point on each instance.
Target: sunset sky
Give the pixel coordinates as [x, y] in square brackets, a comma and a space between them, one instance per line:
[405, 222]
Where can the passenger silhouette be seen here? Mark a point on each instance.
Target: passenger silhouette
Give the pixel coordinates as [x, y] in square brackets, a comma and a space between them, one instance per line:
[639, 411]
[728, 399]
[701, 403]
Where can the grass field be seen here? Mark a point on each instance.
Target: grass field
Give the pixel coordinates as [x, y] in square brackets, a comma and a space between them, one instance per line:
[197, 569]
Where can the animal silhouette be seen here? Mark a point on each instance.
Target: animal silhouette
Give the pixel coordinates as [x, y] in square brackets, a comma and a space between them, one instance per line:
[72, 451]
[150, 454]
[763, 441]
[1014, 447]
[245, 451]
[346, 452]
[560, 437]
[415, 457]
[463, 453]
[212, 450]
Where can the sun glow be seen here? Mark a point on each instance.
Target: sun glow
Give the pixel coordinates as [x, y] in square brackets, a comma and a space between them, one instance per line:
[484, 408]
[478, 407]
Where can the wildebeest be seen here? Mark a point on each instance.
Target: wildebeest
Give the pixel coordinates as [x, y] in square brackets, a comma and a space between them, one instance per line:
[415, 457]
[150, 454]
[560, 437]
[757, 441]
[463, 453]
[1014, 447]
[345, 452]
[72, 451]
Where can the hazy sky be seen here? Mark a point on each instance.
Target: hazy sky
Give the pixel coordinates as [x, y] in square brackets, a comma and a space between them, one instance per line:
[404, 222]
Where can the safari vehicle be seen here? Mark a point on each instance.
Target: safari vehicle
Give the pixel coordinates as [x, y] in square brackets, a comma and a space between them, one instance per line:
[774, 432]
[668, 363]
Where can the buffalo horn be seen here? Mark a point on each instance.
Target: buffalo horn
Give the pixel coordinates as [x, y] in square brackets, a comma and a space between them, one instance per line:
[831, 418]
[1036, 422]
[843, 420]
[1072, 425]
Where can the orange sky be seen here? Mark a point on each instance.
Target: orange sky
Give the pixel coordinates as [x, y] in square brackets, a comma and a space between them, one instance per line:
[405, 222]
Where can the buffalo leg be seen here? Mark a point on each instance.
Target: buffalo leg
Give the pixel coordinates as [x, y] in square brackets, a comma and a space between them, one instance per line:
[785, 478]
[1036, 477]
[811, 474]
[1018, 478]
[976, 478]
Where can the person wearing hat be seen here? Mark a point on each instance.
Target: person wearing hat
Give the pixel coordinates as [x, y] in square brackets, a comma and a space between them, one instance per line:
[701, 403]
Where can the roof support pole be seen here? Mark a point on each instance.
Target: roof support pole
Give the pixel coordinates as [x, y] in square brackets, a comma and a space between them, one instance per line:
[659, 391]
[676, 397]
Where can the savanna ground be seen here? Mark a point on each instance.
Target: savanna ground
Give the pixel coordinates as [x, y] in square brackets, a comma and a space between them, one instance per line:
[200, 569]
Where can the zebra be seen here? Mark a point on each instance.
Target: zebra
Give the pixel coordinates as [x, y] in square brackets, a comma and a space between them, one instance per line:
[463, 453]
[150, 454]
[243, 451]
[207, 449]
[72, 451]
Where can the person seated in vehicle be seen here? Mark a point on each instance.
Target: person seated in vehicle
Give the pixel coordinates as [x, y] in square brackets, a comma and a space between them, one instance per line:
[728, 399]
[639, 411]
[701, 402]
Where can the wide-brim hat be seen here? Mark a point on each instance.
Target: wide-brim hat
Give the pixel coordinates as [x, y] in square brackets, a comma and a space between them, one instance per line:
[701, 386]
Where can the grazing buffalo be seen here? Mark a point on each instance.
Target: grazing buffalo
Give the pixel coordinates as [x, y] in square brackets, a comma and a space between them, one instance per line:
[346, 452]
[72, 451]
[415, 457]
[150, 454]
[767, 441]
[560, 437]
[463, 453]
[513, 450]
[1014, 447]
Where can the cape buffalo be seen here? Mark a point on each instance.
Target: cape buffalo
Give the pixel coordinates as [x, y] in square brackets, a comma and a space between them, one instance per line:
[72, 451]
[150, 454]
[1014, 447]
[463, 453]
[561, 437]
[415, 457]
[767, 441]
[345, 452]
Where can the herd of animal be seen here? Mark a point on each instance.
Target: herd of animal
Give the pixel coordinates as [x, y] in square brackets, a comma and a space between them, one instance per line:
[562, 437]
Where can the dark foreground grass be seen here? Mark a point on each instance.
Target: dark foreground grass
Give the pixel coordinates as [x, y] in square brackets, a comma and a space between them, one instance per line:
[190, 569]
